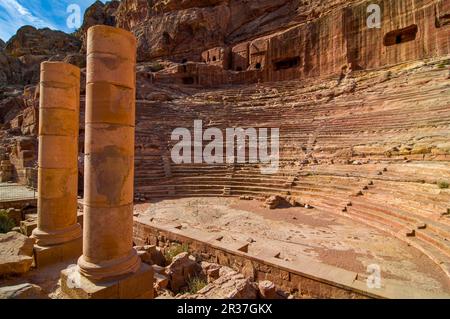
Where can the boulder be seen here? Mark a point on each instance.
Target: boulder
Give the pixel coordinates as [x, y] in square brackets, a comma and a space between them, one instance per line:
[210, 270]
[182, 268]
[273, 202]
[23, 291]
[230, 285]
[267, 289]
[150, 254]
[16, 253]
[161, 281]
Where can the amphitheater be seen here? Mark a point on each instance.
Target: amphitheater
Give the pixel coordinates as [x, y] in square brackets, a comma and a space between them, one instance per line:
[362, 183]
[364, 150]
[366, 155]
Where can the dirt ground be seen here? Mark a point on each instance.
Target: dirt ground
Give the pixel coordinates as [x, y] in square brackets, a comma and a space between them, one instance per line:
[295, 232]
[304, 233]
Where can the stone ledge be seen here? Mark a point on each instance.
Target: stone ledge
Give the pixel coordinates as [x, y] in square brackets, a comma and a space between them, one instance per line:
[27, 227]
[317, 279]
[18, 203]
[48, 255]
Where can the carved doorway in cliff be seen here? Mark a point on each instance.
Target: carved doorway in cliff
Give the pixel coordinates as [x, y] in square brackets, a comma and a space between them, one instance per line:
[287, 63]
[401, 35]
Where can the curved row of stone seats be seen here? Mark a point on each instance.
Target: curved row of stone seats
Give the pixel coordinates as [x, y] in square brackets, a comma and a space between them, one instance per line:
[412, 211]
[427, 200]
[430, 242]
[248, 180]
[193, 180]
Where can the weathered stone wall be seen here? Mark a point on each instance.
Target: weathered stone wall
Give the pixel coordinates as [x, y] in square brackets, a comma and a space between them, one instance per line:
[337, 42]
[366, 47]
[342, 39]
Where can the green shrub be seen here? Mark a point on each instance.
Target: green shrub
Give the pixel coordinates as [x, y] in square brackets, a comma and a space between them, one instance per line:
[6, 222]
[174, 251]
[195, 284]
[156, 67]
[443, 64]
[443, 185]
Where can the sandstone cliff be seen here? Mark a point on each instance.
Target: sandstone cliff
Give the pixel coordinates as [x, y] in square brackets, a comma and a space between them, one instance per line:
[97, 13]
[177, 29]
[210, 43]
[281, 39]
[23, 53]
[183, 28]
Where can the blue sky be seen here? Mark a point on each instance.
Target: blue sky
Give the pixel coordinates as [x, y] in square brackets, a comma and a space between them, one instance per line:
[38, 13]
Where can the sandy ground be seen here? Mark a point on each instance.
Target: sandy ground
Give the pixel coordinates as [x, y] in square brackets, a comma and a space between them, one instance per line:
[294, 232]
[299, 232]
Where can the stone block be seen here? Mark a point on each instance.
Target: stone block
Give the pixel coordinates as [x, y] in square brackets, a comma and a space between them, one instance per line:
[133, 286]
[16, 254]
[27, 226]
[44, 256]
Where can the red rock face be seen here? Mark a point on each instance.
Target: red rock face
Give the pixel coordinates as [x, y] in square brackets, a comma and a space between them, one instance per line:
[96, 14]
[10, 69]
[342, 38]
[31, 41]
[184, 28]
[216, 42]
[288, 39]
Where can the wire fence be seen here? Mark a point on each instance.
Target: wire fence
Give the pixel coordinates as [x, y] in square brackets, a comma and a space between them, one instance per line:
[26, 189]
[12, 192]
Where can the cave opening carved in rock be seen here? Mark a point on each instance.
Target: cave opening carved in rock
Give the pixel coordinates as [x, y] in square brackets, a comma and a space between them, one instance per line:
[401, 35]
[287, 63]
[188, 80]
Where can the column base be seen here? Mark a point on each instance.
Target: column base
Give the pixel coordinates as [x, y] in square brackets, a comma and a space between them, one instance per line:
[57, 237]
[48, 255]
[110, 269]
[138, 285]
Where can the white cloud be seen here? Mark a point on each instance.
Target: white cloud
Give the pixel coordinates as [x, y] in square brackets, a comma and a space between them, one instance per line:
[13, 15]
[38, 13]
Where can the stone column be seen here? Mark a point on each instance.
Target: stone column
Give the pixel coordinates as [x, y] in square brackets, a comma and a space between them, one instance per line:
[109, 266]
[109, 161]
[58, 234]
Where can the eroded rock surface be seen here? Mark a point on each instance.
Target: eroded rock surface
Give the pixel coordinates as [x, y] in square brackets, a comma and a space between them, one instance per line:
[229, 285]
[22, 291]
[182, 268]
[150, 254]
[31, 41]
[16, 253]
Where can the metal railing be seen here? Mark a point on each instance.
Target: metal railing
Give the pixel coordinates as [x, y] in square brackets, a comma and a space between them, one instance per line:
[10, 192]
[26, 189]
